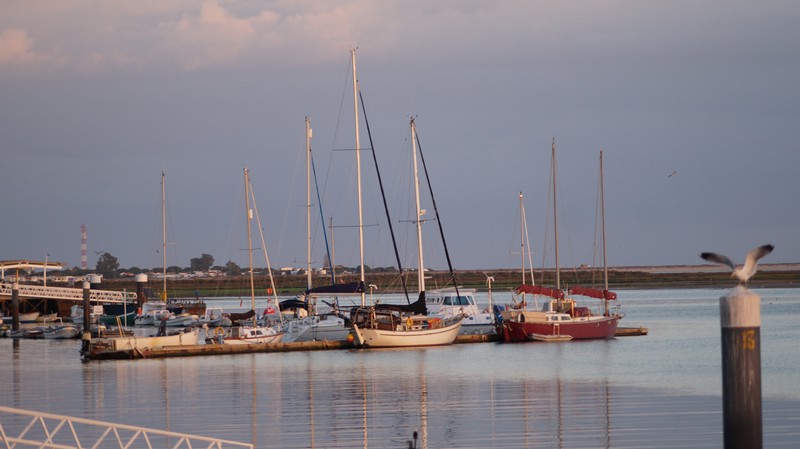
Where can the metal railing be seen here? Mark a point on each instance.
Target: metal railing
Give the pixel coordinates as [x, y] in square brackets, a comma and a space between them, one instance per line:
[74, 294]
[24, 428]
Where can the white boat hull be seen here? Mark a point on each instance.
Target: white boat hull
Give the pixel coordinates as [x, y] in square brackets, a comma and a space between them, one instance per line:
[252, 335]
[379, 338]
[65, 331]
[253, 340]
[315, 329]
[140, 343]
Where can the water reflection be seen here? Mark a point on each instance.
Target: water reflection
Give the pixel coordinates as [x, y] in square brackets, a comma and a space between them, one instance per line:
[586, 394]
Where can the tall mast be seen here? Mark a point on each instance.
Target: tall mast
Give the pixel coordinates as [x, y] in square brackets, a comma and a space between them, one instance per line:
[164, 233]
[308, 203]
[333, 251]
[522, 235]
[358, 173]
[248, 217]
[603, 226]
[420, 212]
[555, 216]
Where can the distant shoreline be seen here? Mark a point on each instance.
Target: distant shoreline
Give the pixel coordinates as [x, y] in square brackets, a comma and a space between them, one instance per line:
[620, 278]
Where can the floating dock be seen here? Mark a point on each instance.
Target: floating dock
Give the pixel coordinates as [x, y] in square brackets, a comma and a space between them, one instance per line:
[630, 331]
[98, 351]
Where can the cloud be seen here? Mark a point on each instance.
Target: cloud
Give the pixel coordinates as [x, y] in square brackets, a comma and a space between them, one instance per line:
[16, 49]
[213, 36]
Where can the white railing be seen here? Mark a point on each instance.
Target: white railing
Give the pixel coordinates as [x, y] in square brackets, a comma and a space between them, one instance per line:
[74, 294]
[23, 428]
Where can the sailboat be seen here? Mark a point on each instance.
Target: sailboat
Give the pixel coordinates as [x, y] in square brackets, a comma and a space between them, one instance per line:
[309, 325]
[394, 326]
[250, 334]
[560, 317]
[153, 311]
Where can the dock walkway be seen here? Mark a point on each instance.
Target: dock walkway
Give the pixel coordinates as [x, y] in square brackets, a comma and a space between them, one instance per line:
[99, 351]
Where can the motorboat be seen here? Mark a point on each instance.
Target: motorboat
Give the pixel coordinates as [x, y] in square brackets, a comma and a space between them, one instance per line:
[451, 303]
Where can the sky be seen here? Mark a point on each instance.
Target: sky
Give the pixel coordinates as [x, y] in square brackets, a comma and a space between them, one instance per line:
[695, 105]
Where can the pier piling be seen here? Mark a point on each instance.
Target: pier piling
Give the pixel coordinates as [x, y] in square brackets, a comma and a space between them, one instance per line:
[740, 319]
[87, 317]
[15, 306]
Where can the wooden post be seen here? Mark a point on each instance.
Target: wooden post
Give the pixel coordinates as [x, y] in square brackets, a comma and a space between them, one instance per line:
[15, 306]
[740, 319]
[87, 312]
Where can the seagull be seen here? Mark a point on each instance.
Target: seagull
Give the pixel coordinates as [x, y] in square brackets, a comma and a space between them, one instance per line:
[750, 262]
[674, 173]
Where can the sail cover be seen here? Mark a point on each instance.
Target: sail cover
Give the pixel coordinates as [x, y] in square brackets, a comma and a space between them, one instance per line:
[418, 307]
[539, 290]
[337, 289]
[593, 293]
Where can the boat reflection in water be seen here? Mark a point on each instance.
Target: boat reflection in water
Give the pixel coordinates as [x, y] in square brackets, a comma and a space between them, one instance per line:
[597, 393]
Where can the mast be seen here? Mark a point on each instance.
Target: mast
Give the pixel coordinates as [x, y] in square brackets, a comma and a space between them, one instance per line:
[358, 172]
[603, 227]
[522, 235]
[266, 257]
[308, 203]
[248, 218]
[555, 215]
[164, 234]
[333, 252]
[420, 260]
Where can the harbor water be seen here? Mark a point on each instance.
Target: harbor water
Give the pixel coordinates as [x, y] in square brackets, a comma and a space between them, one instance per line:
[662, 390]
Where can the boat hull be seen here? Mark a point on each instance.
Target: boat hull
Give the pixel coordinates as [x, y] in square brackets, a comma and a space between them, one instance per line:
[141, 343]
[314, 328]
[599, 328]
[380, 338]
[253, 340]
[62, 332]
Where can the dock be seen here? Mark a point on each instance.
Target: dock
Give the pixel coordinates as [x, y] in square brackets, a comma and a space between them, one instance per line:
[630, 331]
[99, 352]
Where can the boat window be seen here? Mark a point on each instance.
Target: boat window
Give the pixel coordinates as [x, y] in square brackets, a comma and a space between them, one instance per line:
[463, 300]
[448, 301]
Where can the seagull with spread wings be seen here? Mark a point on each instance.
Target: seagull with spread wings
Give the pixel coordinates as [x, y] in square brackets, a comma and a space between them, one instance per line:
[747, 270]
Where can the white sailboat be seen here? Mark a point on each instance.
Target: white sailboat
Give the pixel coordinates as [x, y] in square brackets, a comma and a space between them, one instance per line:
[153, 311]
[310, 325]
[254, 333]
[391, 326]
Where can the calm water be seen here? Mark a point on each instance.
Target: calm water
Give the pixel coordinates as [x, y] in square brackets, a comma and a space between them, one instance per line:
[662, 390]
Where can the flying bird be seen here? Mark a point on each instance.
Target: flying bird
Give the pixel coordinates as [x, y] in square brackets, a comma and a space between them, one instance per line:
[747, 270]
[674, 173]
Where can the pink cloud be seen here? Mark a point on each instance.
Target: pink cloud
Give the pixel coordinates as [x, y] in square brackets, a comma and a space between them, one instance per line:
[16, 49]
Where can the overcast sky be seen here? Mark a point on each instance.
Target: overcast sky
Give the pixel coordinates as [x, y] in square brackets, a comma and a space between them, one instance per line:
[696, 105]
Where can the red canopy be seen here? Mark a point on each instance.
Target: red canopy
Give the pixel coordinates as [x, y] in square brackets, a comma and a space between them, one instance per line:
[539, 290]
[593, 293]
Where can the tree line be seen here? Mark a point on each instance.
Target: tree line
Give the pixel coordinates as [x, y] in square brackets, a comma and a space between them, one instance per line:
[108, 266]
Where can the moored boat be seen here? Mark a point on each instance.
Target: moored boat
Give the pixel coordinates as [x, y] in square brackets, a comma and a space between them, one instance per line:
[246, 335]
[560, 315]
[136, 343]
[253, 333]
[151, 312]
[61, 331]
[124, 319]
[24, 317]
[387, 328]
[449, 303]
